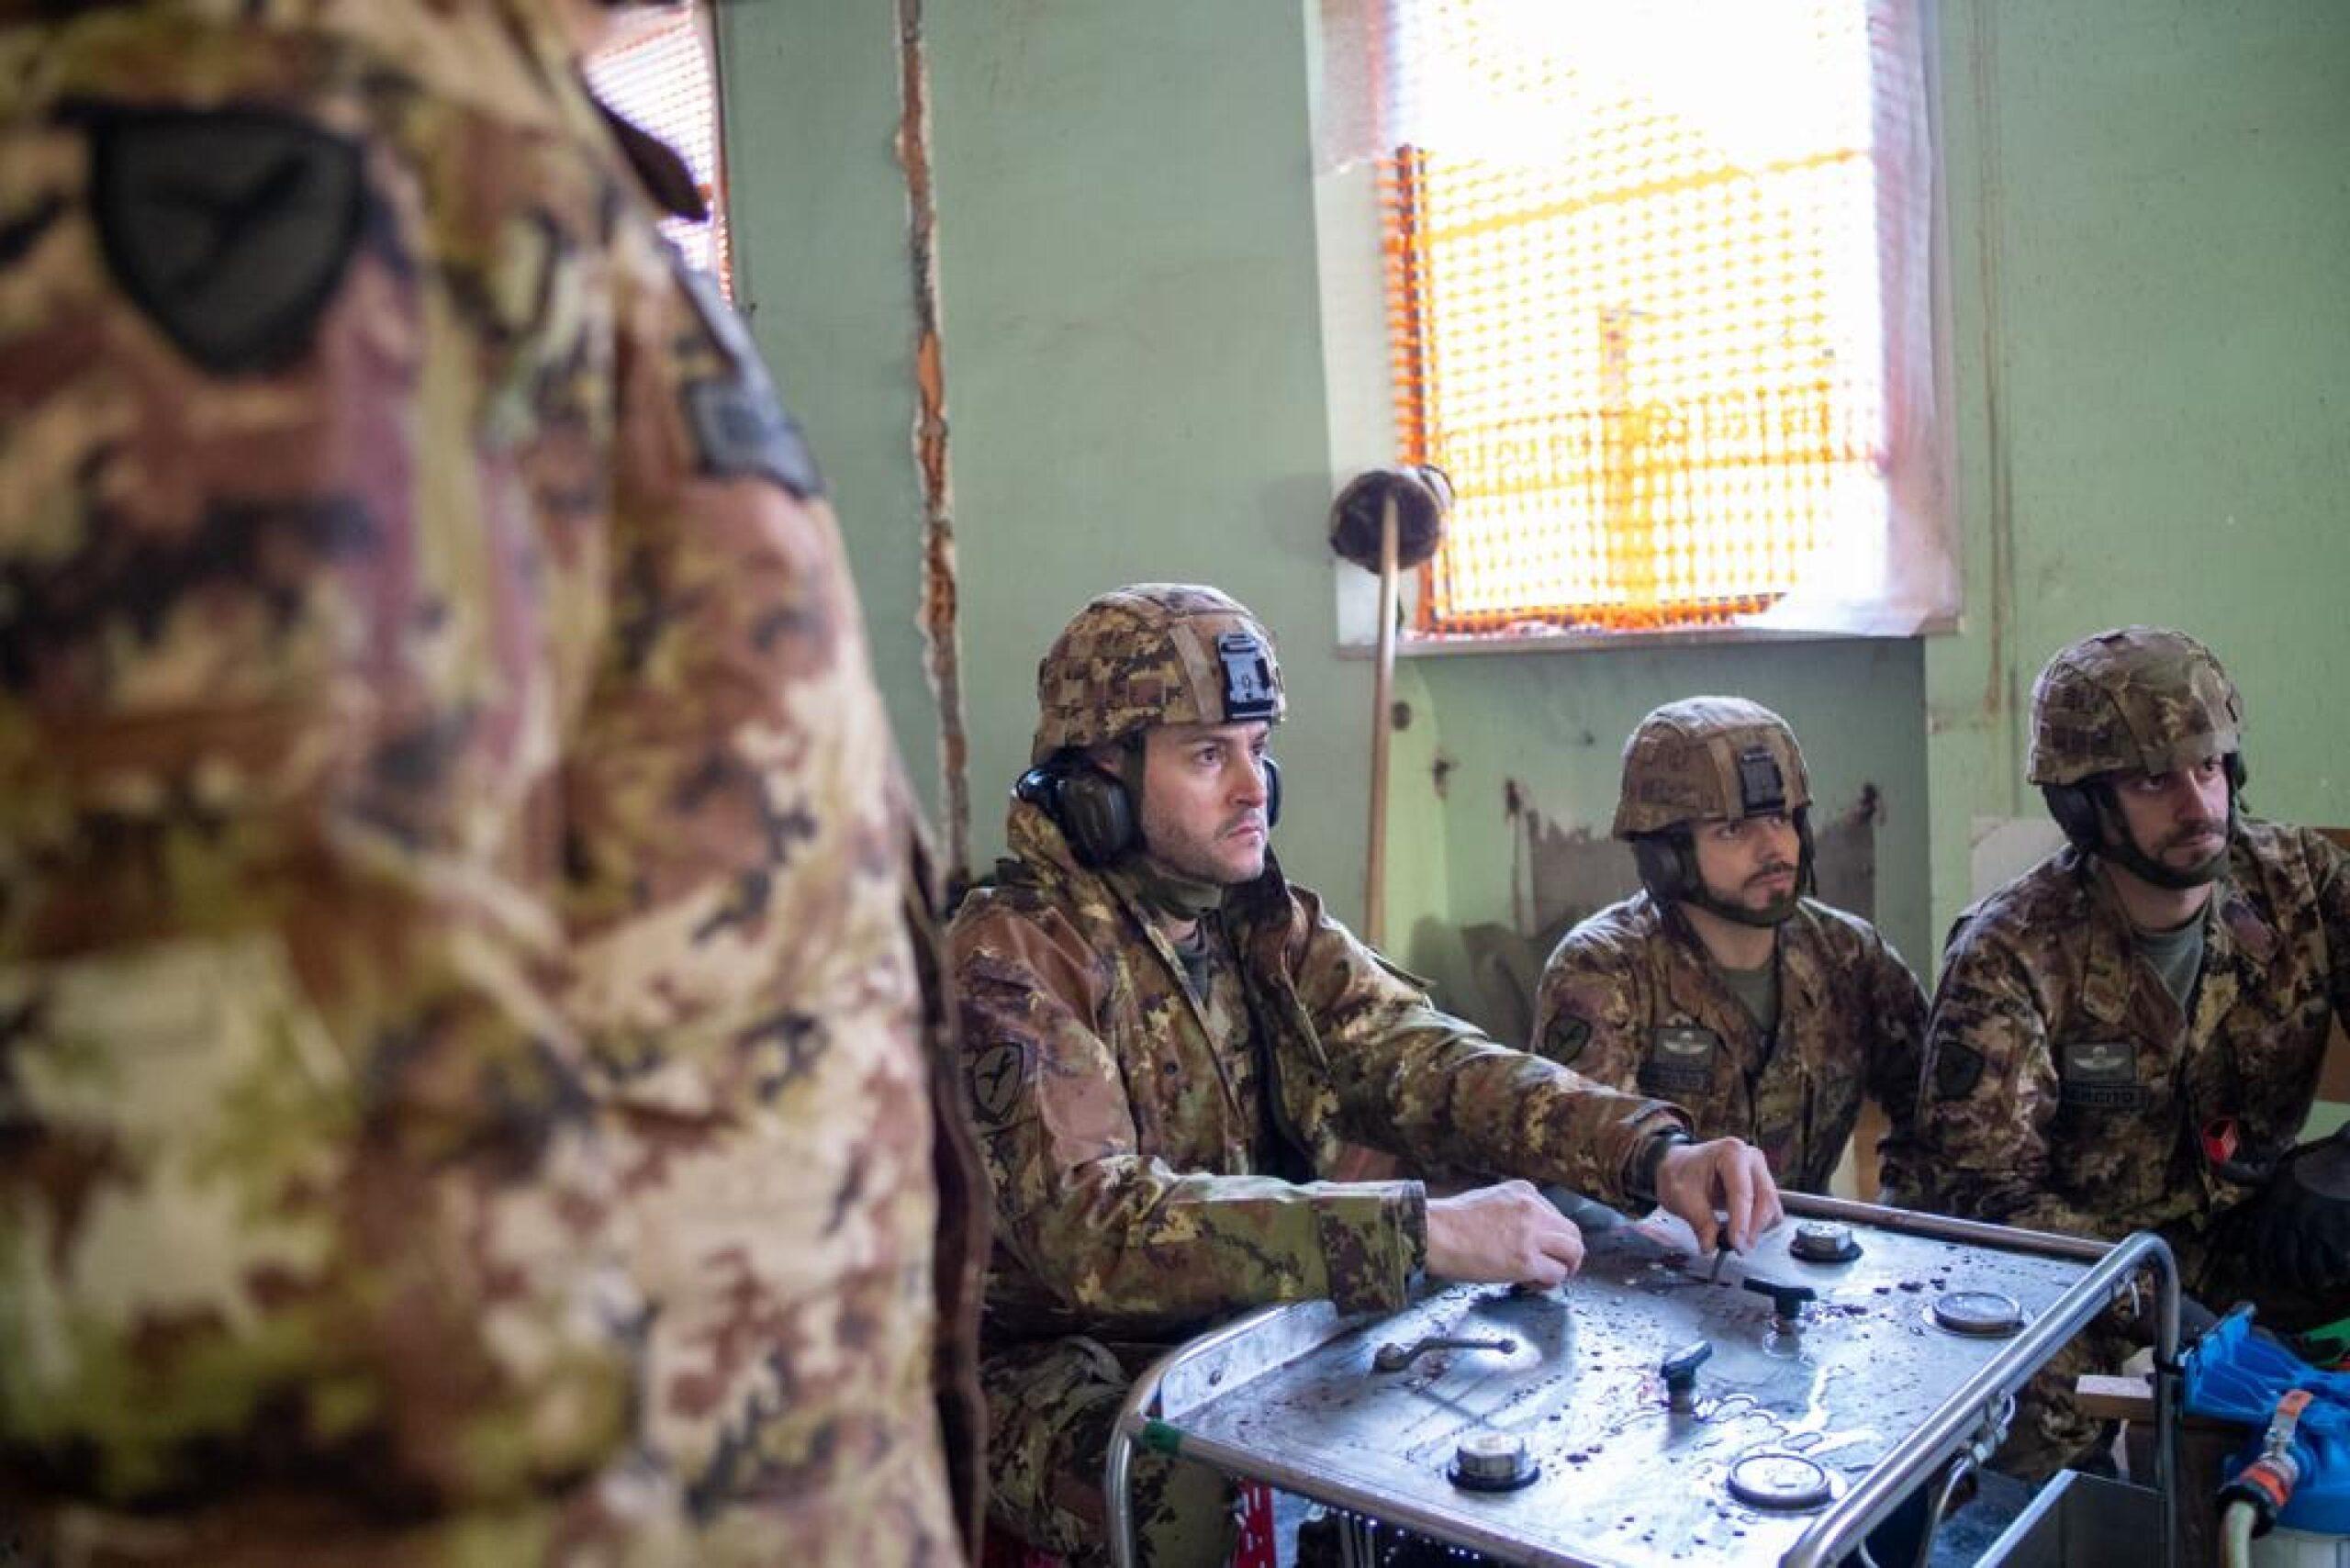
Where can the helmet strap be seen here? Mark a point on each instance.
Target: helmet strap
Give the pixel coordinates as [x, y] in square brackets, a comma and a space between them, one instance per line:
[1777, 911]
[1164, 891]
[2120, 846]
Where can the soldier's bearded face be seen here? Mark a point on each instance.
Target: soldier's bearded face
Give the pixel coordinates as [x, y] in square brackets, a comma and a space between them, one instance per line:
[2180, 819]
[1203, 800]
[1751, 863]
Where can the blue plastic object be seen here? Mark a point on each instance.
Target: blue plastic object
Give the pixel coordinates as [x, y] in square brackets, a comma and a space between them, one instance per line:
[2233, 1374]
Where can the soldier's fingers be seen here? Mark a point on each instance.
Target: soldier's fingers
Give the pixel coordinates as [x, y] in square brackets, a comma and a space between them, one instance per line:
[1735, 1183]
[1565, 1244]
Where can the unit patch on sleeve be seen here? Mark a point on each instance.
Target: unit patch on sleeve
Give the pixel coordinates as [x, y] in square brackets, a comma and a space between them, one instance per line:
[230, 229]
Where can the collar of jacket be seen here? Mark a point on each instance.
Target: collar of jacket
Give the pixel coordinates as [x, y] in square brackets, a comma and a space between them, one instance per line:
[2232, 924]
[1047, 859]
[1803, 981]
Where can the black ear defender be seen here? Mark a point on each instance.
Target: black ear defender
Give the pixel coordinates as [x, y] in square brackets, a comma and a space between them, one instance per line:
[2074, 809]
[1095, 811]
[1667, 863]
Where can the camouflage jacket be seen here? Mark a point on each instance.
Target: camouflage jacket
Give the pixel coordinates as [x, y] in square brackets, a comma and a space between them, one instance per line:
[460, 1082]
[1630, 998]
[1129, 1200]
[2065, 1089]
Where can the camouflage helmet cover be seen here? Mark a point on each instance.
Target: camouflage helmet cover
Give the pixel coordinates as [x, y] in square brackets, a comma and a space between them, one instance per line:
[1154, 654]
[1707, 758]
[2135, 699]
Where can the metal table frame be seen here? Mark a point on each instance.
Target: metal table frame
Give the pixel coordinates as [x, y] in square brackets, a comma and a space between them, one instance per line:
[1226, 1357]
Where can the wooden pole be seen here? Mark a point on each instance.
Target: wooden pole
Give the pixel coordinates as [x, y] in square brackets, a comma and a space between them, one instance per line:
[1382, 701]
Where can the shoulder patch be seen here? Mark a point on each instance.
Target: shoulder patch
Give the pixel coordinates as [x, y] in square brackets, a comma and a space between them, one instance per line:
[1565, 1038]
[997, 1077]
[1957, 1069]
[230, 229]
[738, 419]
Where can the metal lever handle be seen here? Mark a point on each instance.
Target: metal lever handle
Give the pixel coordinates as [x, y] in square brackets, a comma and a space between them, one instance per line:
[1680, 1370]
[1395, 1358]
[1786, 1301]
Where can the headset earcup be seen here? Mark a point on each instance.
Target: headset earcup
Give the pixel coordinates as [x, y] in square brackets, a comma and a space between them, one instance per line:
[1806, 857]
[1272, 791]
[1658, 857]
[1097, 816]
[2075, 808]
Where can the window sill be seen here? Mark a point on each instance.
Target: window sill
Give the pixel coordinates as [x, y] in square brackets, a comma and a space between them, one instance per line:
[1411, 646]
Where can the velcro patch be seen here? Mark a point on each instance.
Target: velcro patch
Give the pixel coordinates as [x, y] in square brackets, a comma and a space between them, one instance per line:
[739, 423]
[1249, 688]
[1680, 1061]
[231, 228]
[998, 1078]
[2102, 1074]
[1565, 1038]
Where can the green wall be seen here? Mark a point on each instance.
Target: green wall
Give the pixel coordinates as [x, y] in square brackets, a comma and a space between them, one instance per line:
[1132, 353]
[2148, 207]
[2149, 218]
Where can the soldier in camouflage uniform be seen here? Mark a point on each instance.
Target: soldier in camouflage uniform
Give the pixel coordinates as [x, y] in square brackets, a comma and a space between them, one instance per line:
[1766, 1012]
[2128, 1035]
[1170, 1048]
[461, 1097]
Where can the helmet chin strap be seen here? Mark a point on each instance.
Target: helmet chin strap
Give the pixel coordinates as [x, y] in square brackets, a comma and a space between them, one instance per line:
[1163, 890]
[1776, 912]
[2121, 846]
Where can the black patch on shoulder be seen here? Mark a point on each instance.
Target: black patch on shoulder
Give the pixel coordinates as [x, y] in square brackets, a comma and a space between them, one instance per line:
[231, 228]
[738, 420]
[2100, 1075]
[1565, 1038]
[1957, 1069]
[999, 1076]
[1680, 1061]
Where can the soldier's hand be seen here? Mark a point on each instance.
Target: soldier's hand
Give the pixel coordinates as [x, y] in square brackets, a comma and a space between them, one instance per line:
[1698, 1180]
[1508, 1234]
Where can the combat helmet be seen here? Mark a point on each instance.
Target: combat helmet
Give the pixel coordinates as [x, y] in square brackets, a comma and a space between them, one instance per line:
[1153, 654]
[2133, 700]
[1146, 655]
[1704, 760]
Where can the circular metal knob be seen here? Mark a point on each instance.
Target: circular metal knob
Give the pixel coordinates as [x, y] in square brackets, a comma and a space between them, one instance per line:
[1784, 1482]
[1491, 1461]
[1982, 1315]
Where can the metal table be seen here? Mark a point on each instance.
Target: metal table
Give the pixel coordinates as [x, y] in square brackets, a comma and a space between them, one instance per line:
[1799, 1435]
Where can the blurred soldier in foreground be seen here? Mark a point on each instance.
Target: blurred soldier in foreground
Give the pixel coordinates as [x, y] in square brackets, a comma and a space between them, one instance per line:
[1165, 1038]
[461, 1097]
[2128, 1035]
[1722, 986]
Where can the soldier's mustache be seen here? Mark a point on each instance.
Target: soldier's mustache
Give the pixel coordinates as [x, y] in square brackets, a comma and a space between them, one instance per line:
[2183, 836]
[1764, 874]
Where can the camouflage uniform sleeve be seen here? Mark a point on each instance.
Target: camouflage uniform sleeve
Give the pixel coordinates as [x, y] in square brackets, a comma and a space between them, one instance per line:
[1587, 1013]
[1432, 1087]
[2330, 871]
[1987, 1093]
[1897, 1049]
[1113, 1231]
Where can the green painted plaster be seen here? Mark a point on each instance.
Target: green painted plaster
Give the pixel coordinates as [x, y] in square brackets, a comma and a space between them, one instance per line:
[2147, 203]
